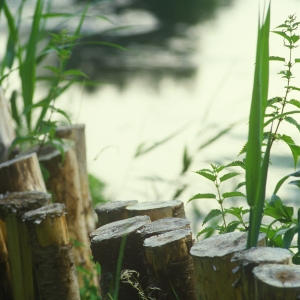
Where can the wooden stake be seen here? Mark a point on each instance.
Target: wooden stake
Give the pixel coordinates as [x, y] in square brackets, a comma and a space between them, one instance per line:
[76, 133]
[12, 207]
[64, 184]
[115, 248]
[21, 174]
[52, 253]
[277, 282]
[249, 259]
[170, 266]
[5, 276]
[157, 210]
[213, 266]
[7, 133]
[112, 211]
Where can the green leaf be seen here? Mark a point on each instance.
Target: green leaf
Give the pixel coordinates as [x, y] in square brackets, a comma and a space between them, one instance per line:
[277, 58]
[237, 163]
[28, 68]
[75, 73]
[203, 196]
[288, 236]
[279, 184]
[295, 182]
[209, 230]
[283, 34]
[295, 38]
[228, 176]
[232, 226]
[297, 60]
[14, 108]
[293, 122]
[212, 214]
[294, 88]
[233, 194]
[295, 149]
[294, 102]
[240, 185]
[186, 161]
[281, 116]
[206, 175]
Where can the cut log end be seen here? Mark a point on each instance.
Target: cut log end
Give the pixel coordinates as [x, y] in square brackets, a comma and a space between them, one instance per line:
[22, 202]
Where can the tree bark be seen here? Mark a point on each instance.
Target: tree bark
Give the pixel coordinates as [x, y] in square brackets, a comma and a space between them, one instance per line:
[112, 211]
[170, 266]
[277, 282]
[213, 266]
[7, 133]
[6, 292]
[12, 207]
[157, 210]
[64, 184]
[115, 248]
[21, 174]
[76, 133]
[249, 259]
[53, 260]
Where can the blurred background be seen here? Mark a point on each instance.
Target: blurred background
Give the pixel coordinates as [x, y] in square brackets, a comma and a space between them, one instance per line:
[173, 97]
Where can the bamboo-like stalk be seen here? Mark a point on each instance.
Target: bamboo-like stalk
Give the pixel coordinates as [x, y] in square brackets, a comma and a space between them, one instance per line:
[54, 264]
[157, 210]
[12, 207]
[112, 211]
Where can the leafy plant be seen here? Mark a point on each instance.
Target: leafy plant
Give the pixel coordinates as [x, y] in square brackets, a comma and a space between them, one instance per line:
[266, 117]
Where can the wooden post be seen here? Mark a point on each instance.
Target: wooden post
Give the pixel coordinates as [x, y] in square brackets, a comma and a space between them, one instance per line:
[12, 207]
[170, 266]
[54, 265]
[112, 211]
[249, 259]
[64, 184]
[157, 210]
[76, 133]
[213, 266]
[277, 282]
[115, 247]
[5, 276]
[7, 133]
[21, 174]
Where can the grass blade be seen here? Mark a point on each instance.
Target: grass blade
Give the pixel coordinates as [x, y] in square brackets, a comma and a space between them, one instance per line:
[28, 68]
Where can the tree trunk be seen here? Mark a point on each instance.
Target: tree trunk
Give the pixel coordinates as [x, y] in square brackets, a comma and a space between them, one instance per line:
[76, 133]
[21, 174]
[277, 282]
[112, 211]
[157, 210]
[54, 265]
[12, 207]
[213, 266]
[115, 248]
[170, 266]
[249, 259]
[64, 184]
[7, 133]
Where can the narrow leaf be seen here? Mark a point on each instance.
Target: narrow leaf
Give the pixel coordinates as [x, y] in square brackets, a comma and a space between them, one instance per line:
[233, 194]
[212, 214]
[277, 58]
[206, 175]
[228, 176]
[203, 196]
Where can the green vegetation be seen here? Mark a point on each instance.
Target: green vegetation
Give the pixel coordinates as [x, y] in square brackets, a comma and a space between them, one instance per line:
[266, 117]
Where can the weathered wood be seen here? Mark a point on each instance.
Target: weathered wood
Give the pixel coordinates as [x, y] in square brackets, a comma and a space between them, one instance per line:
[5, 276]
[21, 174]
[213, 266]
[7, 133]
[54, 265]
[157, 210]
[112, 211]
[115, 247]
[12, 207]
[64, 185]
[249, 259]
[76, 133]
[277, 282]
[170, 265]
